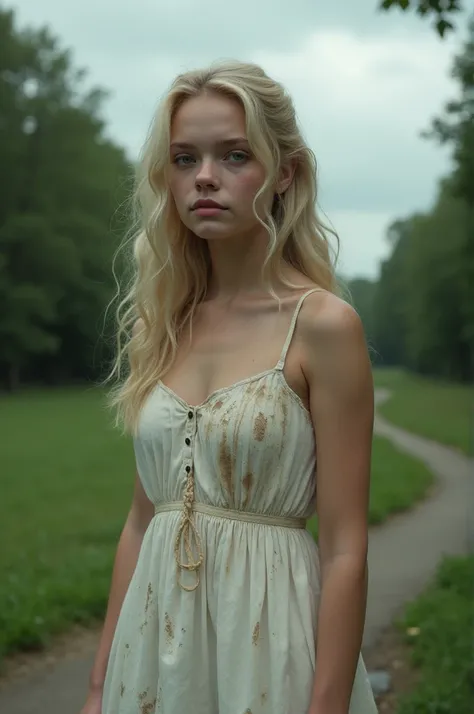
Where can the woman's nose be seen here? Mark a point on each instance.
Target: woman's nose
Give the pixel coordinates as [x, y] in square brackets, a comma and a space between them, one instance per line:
[207, 174]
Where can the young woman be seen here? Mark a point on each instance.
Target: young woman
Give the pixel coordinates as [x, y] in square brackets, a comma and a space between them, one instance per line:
[250, 400]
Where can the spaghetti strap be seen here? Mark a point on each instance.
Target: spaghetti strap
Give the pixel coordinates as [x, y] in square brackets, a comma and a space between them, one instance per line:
[281, 361]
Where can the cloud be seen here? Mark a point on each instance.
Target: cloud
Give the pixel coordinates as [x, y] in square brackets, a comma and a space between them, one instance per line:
[364, 85]
[177, 28]
[190, 28]
[362, 241]
[362, 104]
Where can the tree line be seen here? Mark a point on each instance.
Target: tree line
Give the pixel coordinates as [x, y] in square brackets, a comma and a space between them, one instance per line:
[63, 183]
[63, 212]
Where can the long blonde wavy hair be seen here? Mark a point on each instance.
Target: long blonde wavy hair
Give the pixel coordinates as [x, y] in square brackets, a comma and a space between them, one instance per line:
[170, 273]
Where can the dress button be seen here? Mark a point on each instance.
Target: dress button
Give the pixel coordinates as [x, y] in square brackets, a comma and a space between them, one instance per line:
[188, 469]
[190, 415]
[187, 441]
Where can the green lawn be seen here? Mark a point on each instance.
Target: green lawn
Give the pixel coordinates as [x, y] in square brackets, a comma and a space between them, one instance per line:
[439, 627]
[66, 483]
[438, 410]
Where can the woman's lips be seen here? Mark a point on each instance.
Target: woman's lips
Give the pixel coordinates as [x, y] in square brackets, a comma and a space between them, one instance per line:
[208, 210]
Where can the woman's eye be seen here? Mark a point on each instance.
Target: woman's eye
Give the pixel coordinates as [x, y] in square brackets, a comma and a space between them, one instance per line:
[235, 157]
[183, 160]
[238, 156]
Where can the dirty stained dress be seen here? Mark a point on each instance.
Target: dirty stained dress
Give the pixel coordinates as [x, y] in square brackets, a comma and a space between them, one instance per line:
[221, 613]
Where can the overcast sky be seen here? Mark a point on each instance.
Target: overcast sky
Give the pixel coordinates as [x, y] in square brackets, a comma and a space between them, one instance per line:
[364, 84]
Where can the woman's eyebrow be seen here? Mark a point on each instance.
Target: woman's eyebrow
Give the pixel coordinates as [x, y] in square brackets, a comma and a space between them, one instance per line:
[223, 143]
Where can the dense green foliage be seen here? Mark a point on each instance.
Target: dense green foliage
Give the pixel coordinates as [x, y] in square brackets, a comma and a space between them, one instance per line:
[61, 188]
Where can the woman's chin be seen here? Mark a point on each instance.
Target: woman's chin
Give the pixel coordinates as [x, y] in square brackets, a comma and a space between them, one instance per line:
[213, 232]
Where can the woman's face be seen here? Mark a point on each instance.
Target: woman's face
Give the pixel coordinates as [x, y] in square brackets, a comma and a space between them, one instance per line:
[211, 161]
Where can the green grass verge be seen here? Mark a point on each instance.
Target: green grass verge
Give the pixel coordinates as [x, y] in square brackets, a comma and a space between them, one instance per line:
[66, 483]
[442, 624]
[437, 410]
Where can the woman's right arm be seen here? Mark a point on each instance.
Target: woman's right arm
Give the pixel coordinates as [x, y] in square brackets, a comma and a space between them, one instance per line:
[138, 519]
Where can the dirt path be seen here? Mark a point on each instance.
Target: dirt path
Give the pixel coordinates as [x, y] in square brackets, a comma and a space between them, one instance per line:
[403, 555]
[404, 552]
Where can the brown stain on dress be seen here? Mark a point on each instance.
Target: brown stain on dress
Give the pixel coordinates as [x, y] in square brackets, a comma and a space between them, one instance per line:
[122, 689]
[284, 422]
[263, 698]
[284, 410]
[149, 594]
[211, 423]
[209, 427]
[146, 707]
[259, 427]
[169, 629]
[143, 625]
[225, 465]
[241, 404]
[247, 483]
[256, 634]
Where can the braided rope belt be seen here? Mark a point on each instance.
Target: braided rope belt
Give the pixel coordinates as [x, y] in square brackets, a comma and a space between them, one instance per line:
[187, 531]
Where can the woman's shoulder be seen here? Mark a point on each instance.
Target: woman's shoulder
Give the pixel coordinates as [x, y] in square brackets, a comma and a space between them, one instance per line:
[323, 312]
[334, 346]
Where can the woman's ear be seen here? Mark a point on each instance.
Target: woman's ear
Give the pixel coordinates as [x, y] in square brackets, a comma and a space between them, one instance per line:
[286, 175]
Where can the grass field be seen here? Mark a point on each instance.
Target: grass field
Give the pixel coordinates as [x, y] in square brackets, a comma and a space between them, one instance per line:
[438, 410]
[439, 626]
[66, 484]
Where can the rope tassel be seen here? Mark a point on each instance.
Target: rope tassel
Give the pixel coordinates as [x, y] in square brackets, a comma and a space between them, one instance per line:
[186, 532]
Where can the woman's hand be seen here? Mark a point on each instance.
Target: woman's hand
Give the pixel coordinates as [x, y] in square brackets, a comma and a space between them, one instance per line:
[93, 703]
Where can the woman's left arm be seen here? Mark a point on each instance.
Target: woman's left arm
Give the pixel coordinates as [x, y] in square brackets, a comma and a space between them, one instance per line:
[337, 368]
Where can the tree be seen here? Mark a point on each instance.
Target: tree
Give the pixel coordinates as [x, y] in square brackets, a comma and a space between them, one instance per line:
[391, 296]
[438, 317]
[362, 294]
[424, 307]
[456, 127]
[443, 10]
[61, 183]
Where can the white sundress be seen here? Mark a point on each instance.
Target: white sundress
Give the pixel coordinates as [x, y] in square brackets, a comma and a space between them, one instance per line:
[220, 616]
